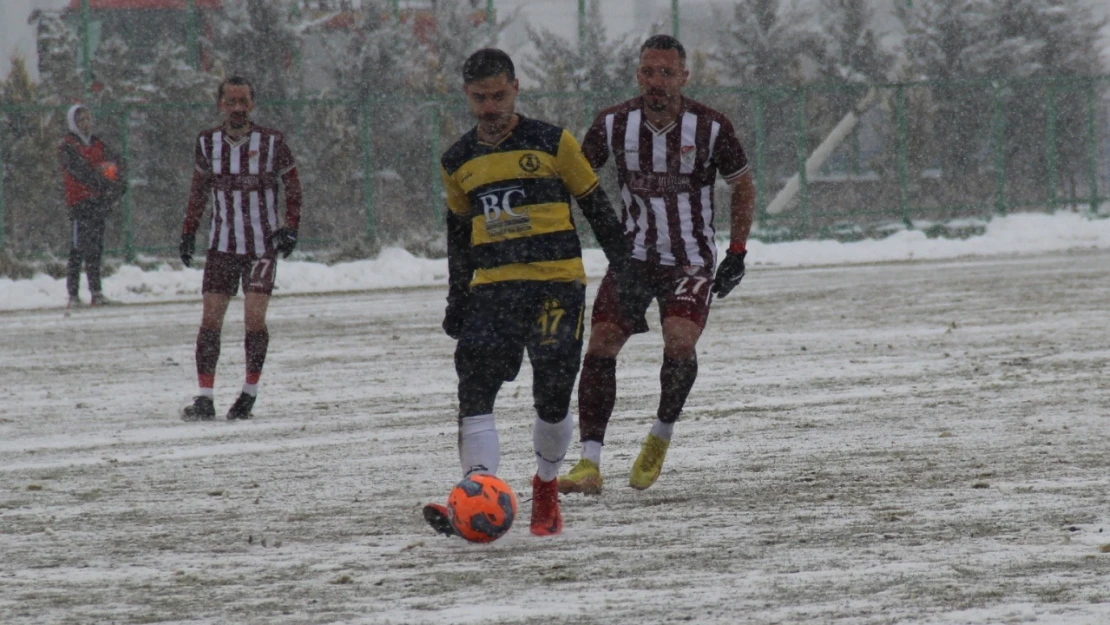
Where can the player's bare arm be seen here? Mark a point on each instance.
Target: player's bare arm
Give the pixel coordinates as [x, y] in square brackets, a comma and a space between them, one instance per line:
[743, 211]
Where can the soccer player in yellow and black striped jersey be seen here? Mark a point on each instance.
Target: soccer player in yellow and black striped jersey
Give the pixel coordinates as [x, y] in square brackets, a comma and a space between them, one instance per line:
[515, 272]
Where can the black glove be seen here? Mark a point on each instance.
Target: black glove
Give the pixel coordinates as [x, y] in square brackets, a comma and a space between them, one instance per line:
[729, 274]
[284, 240]
[187, 247]
[631, 289]
[457, 301]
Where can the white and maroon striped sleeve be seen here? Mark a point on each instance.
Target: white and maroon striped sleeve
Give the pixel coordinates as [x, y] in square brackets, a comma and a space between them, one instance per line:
[726, 151]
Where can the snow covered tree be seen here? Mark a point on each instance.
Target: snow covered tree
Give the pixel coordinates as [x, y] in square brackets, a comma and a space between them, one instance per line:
[852, 51]
[59, 74]
[768, 45]
[597, 64]
[1048, 40]
[34, 213]
[1010, 41]
[600, 68]
[259, 40]
[952, 40]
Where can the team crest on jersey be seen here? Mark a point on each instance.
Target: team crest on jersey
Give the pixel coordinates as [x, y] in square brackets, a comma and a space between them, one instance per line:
[688, 154]
[530, 163]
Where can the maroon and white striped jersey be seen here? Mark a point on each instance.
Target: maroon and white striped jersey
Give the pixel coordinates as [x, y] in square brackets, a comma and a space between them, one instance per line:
[241, 178]
[666, 177]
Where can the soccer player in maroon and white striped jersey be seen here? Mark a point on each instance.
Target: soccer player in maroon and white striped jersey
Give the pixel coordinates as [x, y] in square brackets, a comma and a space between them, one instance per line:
[238, 165]
[668, 151]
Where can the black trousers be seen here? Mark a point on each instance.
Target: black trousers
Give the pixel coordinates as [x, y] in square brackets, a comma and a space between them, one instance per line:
[86, 245]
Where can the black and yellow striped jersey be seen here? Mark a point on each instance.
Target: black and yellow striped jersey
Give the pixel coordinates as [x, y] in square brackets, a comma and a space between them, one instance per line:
[516, 195]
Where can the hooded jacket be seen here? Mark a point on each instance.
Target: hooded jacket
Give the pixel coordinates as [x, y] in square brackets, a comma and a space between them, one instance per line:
[81, 156]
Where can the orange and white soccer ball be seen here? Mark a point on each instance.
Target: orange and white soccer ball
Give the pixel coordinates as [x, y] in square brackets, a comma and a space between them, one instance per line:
[481, 508]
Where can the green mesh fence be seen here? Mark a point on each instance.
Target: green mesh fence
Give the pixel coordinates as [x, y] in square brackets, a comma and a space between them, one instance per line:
[922, 155]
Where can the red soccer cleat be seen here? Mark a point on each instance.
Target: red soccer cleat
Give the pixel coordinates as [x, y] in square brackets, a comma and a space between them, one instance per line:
[437, 517]
[547, 520]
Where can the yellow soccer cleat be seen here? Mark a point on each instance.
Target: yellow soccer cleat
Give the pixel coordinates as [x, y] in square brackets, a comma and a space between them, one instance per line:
[649, 463]
[584, 478]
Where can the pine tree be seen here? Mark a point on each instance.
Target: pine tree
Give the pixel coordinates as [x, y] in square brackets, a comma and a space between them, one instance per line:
[59, 75]
[1008, 41]
[259, 40]
[34, 211]
[767, 46]
[603, 70]
[1048, 40]
[596, 64]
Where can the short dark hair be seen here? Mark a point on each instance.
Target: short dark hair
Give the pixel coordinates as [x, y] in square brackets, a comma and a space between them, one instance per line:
[233, 80]
[664, 42]
[487, 63]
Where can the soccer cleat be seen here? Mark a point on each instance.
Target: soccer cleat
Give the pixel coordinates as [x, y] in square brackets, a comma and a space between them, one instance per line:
[584, 477]
[241, 409]
[437, 517]
[547, 520]
[75, 302]
[98, 299]
[202, 409]
[649, 463]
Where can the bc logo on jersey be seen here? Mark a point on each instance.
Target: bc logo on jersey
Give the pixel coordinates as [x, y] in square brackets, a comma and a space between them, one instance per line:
[497, 204]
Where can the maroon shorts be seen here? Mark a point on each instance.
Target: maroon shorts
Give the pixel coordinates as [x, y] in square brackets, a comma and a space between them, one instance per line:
[223, 272]
[681, 292]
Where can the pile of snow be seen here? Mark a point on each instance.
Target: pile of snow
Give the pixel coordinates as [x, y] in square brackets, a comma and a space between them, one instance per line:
[397, 268]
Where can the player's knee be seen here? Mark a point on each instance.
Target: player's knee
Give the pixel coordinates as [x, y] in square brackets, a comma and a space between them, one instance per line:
[606, 340]
[478, 386]
[552, 392]
[552, 410]
[476, 397]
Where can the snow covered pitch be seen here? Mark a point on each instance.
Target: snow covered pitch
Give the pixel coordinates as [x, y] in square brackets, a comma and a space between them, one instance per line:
[916, 442]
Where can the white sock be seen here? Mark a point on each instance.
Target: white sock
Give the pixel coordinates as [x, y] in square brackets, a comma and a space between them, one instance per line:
[662, 430]
[251, 389]
[206, 392]
[591, 450]
[550, 440]
[479, 447]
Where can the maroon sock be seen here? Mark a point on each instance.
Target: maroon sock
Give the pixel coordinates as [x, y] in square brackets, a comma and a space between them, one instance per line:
[676, 378]
[208, 354]
[256, 344]
[597, 392]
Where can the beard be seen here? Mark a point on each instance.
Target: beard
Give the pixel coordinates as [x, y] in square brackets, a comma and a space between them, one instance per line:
[238, 120]
[495, 123]
[656, 101]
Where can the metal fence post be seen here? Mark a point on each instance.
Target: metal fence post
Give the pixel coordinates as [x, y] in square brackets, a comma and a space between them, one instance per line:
[903, 173]
[998, 127]
[86, 47]
[191, 33]
[3, 216]
[367, 173]
[437, 182]
[124, 121]
[674, 18]
[801, 152]
[1050, 139]
[1092, 149]
[760, 160]
[581, 22]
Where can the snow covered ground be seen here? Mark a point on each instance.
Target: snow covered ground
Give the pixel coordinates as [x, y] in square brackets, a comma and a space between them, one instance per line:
[395, 268]
[882, 442]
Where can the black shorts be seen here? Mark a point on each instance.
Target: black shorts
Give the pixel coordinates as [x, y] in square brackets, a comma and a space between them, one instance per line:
[505, 319]
[223, 272]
